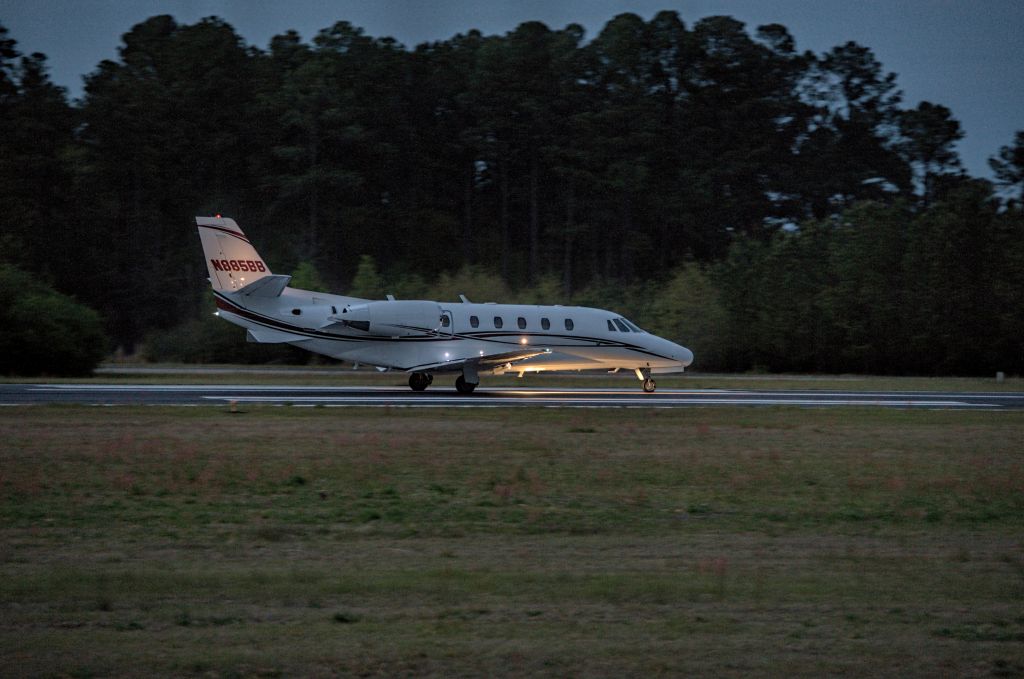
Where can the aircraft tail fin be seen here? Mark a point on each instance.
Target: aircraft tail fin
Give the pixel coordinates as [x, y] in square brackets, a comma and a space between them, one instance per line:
[231, 259]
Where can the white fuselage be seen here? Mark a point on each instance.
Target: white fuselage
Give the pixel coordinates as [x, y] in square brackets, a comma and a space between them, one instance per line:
[565, 337]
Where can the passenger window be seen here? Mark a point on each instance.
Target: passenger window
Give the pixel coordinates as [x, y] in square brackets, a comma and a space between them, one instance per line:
[498, 322]
[474, 321]
[622, 326]
[445, 321]
[611, 326]
[569, 324]
[545, 324]
[522, 323]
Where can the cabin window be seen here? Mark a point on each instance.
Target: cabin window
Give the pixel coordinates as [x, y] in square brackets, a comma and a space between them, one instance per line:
[334, 309]
[498, 322]
[622, 326]
[611, 326]
[474, 321]
[521, 322]
[545, 324]
[569, 324]
[296, 312]
[445, 321]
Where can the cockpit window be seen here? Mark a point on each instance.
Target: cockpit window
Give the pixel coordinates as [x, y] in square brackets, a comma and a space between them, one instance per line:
[622, 326]
[611, 326]
[634, 326]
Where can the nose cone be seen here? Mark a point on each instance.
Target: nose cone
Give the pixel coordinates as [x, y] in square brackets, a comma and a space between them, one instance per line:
[675, 352]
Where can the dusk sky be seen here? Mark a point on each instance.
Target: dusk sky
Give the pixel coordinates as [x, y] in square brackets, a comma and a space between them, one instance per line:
[968, 56]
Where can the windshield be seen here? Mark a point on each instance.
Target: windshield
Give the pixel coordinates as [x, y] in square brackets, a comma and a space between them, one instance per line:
[622, 325]
[633, 326]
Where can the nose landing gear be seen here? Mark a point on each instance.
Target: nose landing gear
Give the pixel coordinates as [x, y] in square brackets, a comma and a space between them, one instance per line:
[644, 375]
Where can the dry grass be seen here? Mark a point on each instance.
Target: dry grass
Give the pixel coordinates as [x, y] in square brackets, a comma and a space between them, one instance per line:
[286, 542]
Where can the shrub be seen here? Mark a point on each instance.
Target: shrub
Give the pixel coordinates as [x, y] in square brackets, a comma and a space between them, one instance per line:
[209, 339]
[43, 332]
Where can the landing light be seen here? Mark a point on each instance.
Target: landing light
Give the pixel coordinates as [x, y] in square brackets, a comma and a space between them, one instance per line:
[522, 340]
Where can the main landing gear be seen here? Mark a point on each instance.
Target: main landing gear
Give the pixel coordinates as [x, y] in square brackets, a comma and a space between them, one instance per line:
[644, 375]
[420, 381]
[464, 387]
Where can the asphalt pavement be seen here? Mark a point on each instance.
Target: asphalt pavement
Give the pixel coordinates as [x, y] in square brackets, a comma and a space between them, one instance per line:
[446, 397]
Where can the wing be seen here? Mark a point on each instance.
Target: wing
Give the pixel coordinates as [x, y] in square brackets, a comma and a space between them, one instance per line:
[484, 361]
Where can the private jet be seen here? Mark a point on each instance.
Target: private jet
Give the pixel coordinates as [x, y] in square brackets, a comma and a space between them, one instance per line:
[424, 337]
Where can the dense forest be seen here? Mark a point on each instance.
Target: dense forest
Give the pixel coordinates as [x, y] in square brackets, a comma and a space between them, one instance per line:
[770, 208]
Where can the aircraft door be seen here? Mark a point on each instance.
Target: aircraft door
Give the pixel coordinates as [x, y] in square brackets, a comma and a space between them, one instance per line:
[447, 323]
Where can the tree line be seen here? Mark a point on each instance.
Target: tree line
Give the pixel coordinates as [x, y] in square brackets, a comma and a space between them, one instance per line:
[773, 208]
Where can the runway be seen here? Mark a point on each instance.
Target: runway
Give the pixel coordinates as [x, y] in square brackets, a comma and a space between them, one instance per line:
[220, 395]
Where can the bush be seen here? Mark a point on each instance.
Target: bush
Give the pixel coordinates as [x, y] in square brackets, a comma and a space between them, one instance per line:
[213, 340]
[43, 332]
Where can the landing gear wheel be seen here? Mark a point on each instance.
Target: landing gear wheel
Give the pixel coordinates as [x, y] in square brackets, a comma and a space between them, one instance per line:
[464, 387]
[649, 385]
[420, 381]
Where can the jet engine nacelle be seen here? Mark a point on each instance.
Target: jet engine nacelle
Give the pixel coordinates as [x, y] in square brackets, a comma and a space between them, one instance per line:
[395, 318]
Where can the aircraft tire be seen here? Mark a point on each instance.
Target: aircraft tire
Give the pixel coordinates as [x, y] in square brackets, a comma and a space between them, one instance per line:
[463, 387]
[419, 381]
[650, 385]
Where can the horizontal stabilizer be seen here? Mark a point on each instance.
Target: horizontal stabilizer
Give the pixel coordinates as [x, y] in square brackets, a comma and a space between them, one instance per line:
[268, 286]
[268, 336]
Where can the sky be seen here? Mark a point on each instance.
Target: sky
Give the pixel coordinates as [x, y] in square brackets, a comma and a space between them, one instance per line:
[967, 55]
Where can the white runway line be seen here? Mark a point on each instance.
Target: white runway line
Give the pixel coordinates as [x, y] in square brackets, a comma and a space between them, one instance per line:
[473, 400]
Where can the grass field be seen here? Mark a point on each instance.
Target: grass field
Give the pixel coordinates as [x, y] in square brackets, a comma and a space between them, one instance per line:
[592, 543]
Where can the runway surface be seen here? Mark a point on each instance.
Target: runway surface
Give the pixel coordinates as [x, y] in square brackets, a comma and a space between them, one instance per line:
[197, 395]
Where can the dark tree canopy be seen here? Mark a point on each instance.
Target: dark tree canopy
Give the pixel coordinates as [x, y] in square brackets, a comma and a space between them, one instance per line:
[654, 153]
[1009, 164]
